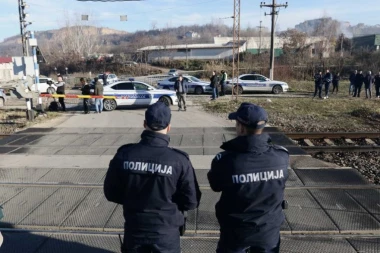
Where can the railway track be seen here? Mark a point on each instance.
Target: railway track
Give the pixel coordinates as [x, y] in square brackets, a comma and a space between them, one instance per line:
[337, 142]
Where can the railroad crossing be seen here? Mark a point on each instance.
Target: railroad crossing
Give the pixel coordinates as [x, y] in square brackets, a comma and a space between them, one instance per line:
[51, 180]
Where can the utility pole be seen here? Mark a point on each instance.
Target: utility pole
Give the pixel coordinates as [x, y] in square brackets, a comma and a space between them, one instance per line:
[236, 49]
[273, 13]
[260, 34]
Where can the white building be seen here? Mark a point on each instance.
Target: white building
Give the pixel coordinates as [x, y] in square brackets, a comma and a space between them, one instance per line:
[192, 35]
[15, 67]
[191, 51]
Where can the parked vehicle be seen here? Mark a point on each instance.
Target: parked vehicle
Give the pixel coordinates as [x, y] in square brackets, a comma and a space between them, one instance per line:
[173, 72]
[111, 78]
[256, 82]
[3, 98]
[45, 85]
[194, 84]
[135, 93]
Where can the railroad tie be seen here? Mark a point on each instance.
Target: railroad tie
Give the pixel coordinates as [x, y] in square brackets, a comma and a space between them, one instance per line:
[329, 142]
[370, 142]
[308, 142]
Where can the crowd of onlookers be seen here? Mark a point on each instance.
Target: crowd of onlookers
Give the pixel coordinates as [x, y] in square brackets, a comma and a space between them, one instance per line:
[357, 79]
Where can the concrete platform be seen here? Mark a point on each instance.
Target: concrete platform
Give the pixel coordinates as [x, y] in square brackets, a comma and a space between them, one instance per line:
[51, 183]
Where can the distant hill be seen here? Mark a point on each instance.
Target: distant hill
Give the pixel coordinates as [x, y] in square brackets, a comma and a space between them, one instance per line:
[12, 45]
[346, 28]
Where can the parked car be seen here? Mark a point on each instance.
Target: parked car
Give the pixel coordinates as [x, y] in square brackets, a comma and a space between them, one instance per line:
[194, 85]
[3, 98]
[256, 82]
[45, 85]
[173, 72]
[111, 78]
[135, 93]
[130, 63]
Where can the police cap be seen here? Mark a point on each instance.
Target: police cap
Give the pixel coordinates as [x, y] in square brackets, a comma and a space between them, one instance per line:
[250, 115]
[158, 116]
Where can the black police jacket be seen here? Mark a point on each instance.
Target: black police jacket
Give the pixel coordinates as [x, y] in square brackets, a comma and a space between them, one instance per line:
[154, 183]
[251, 175]
[318, 79]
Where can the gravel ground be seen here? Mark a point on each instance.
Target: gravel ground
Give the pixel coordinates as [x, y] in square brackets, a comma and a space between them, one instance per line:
[366, 163]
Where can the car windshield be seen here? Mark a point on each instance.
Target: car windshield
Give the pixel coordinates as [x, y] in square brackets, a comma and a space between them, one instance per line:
[172, 70]
[194, 79]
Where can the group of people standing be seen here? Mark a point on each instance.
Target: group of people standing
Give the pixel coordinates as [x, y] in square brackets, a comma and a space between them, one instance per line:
[215, 81]
[98, 91]
[357, 79]
[326, 80]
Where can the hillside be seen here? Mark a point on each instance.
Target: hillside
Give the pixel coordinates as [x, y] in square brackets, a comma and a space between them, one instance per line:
[346, 28]
[12, 45]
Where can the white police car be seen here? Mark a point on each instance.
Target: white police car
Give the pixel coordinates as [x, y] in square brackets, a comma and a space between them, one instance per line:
[194, 85]
[135, 93]
[256, 82]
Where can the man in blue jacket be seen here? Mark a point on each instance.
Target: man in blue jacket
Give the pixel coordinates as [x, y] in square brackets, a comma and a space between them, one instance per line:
[154, 183]
[251, 175]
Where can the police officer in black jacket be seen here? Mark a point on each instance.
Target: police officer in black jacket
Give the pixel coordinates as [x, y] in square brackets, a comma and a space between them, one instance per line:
[251, 175]
[154, 183]
[318, 80]
[359, 80]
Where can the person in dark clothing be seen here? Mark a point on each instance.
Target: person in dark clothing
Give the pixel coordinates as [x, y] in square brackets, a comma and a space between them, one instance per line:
[180, 87]
[214, 85]
[318, 82]
[154, 183]
[368, 81]
[251, 174]
[223, 81]
[327, 79]
[86, 90]
[104, 77]
[359, 79]
[61, 91]
[377, 85]
[335, 83]
[352, 83]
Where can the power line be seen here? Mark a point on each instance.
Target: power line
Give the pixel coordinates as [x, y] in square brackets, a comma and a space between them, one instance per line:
[273, 13]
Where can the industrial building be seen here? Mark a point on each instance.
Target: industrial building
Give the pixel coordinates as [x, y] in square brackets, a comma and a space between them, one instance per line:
[369, 42]
[191, 51]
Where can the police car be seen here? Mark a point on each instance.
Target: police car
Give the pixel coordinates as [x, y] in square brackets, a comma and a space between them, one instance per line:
[256, 82]
[135, 93]
[194, 85]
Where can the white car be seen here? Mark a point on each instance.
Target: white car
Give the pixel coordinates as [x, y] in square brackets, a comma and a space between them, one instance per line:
[45, 85]
[194, 85]
[135, 93]
[256, 82]
[173, 72]
[111, 78]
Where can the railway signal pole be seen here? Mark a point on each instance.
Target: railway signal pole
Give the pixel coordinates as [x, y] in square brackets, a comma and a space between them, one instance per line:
[273, 13]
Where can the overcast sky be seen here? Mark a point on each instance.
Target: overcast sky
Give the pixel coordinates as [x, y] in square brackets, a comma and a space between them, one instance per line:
[50, 14]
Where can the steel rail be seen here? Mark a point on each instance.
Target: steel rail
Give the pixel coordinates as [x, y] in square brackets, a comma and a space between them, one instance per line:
[349, 135]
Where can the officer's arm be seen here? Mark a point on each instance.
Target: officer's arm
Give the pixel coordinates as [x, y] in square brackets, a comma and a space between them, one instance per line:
[216, 175]
[188, 195]
[113, 183]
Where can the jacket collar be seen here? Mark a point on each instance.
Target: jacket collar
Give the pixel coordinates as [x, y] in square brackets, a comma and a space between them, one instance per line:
[252, 143]
[154, 139]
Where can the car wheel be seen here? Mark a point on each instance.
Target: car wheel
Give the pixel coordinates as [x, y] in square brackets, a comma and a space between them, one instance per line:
[277, 89]
[238, 90]
[50, 90]
[167, 101]
[109, 104]
[2, 102]
[198, 90]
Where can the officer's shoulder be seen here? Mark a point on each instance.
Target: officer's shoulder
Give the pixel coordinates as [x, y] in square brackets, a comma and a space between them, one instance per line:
[181, 153]
[280, 148]
[221, 155]
[125, 147]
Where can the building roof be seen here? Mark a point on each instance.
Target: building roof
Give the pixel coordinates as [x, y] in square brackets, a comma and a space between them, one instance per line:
[228, 44]
[367, 40]
[5, 60]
